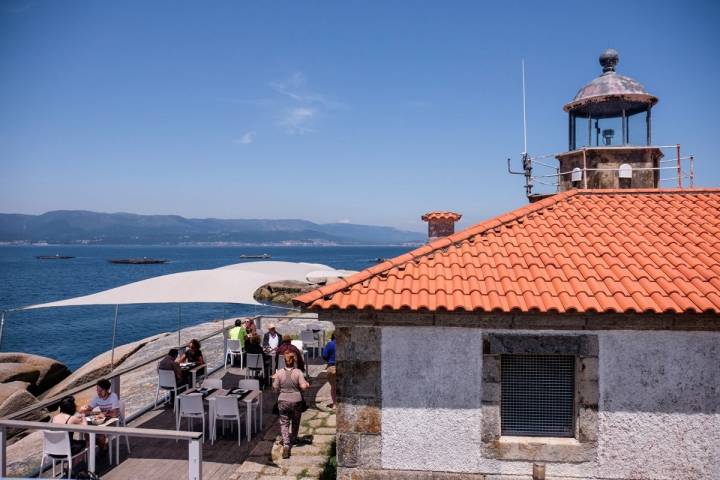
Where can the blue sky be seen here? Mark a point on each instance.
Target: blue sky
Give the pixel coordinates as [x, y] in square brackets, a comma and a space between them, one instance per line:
[369, 112]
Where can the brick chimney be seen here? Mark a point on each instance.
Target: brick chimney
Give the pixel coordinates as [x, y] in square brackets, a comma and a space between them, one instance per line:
[440, 224]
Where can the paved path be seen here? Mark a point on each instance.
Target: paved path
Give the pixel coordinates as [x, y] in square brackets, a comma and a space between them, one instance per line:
[265, 461]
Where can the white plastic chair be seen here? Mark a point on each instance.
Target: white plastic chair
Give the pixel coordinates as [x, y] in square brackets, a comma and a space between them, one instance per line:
[111, 438]
[212, 383]
[167, 381]
[309, 341]
[232, 350]
[255, 365]
[226, 408]
[56, 447]
[190, 406]
[255, 405]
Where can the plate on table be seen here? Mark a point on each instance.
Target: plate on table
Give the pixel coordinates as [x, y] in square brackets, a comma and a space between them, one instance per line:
[187, 365]
[95, 419]
[238, 391]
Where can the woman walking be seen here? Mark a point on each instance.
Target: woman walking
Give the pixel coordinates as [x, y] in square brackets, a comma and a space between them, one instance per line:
[290, 382]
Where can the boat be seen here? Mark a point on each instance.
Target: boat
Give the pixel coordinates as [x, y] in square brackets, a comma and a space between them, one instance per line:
[264, 256]
[57, 256]
[137, 261]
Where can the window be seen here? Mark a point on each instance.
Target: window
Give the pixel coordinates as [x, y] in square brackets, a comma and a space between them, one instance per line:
[537, 395]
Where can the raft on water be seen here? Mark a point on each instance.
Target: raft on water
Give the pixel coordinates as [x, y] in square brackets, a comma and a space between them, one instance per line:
[57, 256]
[137, 261]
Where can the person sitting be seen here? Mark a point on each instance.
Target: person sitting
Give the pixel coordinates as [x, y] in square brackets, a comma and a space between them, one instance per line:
[287, 346]
[328, 355]
[192, 354]
[253, 346]
[271, 340]
[105, 400]
[168, 363]
[250, 327]
[69, 416]
[238, 332]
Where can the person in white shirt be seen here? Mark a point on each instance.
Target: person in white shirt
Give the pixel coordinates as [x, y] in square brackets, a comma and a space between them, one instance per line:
[271, 340]
[106, 401]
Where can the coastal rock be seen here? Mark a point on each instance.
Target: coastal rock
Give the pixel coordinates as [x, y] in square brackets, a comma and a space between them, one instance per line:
[100, 366]
[41, 373]
[14, 396]
[282, 293]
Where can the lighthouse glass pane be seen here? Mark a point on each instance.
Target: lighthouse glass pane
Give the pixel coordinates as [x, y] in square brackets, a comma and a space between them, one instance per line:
[637, 125]
[581, 132]
[607, 132]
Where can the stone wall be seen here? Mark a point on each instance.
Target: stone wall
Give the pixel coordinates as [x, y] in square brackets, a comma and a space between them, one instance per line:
[609, 159]
[411, 402]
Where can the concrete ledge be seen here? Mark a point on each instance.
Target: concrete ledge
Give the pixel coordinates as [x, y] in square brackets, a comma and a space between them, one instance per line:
[542, 449]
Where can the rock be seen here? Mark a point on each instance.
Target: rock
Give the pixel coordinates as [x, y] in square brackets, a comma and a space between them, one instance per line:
[14, 396]
[282, 292]
[99, 366]
[41, 373]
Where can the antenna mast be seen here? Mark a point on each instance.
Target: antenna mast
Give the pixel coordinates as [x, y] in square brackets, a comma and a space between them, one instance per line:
[525, 150]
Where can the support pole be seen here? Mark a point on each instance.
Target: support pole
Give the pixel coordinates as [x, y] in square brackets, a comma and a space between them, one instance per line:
[195, 460]
[679, 166]
[692, 171]
[2, 325]
[3, 452]
[112, 354]
[91, 453]
[648, 126]
[179, 322]
[624, 128]
[584, 168]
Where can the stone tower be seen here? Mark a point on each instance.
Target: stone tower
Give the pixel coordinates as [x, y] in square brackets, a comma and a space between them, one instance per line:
[610, 134]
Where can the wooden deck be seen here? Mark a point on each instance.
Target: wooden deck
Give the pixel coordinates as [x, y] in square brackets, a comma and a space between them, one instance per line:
[161, 459]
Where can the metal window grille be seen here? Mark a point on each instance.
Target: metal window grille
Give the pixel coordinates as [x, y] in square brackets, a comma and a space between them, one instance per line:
[538, 395]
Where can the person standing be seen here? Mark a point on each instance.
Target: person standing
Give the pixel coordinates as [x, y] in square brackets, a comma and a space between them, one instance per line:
[238, 332]
[289, 382]
[328, 355]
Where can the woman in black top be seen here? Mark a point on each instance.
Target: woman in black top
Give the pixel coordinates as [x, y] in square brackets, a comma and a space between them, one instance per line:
[193, 354]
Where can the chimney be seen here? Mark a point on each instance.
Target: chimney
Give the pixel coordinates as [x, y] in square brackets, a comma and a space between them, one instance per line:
[440, 224]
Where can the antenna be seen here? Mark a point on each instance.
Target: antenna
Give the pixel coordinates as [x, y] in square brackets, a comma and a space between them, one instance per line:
[525, 151]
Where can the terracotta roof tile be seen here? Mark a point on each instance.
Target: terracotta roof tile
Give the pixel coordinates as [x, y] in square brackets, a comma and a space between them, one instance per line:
[578, 251]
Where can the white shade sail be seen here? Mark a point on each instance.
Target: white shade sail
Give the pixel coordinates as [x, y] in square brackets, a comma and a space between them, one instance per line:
[327, 276]
[230, 284]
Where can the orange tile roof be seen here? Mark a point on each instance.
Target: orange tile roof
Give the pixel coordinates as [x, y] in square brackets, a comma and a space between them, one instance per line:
[441, 216]
[577, 251]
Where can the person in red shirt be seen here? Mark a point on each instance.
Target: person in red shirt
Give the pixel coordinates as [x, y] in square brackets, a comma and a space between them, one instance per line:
[286, 346]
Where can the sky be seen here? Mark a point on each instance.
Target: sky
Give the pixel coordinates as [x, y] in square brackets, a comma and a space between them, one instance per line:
[354, 111]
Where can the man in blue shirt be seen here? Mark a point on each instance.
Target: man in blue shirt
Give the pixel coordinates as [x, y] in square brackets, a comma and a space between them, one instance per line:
[328, 354]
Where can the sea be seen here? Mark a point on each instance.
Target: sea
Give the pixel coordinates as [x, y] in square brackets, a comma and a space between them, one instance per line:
[74, 335]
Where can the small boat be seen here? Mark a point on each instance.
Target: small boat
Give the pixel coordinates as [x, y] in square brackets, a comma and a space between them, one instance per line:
[137, 261]
[57, 256]
[379, 259]
[263, 256]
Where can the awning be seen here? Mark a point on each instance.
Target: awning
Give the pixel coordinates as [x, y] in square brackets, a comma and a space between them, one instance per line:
[230, 284]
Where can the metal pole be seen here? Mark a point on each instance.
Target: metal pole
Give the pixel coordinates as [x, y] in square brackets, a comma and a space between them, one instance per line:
[584, 168]
[3, 452]
[692, 171]
[2, 325]
[112, 355]
[648, 126]
[195, 459]
[589, 144]
[679, 166]
[179, 321]
[624, 128]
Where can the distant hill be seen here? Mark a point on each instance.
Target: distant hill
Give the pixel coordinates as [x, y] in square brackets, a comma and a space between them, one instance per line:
[78, 226]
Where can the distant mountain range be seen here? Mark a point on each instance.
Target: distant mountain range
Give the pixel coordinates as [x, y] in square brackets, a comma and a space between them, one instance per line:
[78, 226]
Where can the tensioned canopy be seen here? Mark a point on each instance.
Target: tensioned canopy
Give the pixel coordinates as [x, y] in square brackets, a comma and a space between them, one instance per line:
[230, 284]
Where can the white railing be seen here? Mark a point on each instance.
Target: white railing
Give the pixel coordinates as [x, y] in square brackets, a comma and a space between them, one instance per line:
[676, 168]
[194, 440]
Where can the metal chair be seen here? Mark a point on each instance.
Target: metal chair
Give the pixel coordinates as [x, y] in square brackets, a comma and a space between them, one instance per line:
[120, 422]
[168, 382]
[226, 408]
[212, 383]
[190, 406]
[56, 447]
[255, 365]
[256, 405]
[232, 350]
[309, 341]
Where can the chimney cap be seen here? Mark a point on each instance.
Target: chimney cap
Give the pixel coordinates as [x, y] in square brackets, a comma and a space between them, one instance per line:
[441, 216]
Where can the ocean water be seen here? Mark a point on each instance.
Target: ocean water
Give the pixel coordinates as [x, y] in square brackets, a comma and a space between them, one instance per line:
[74, 335]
